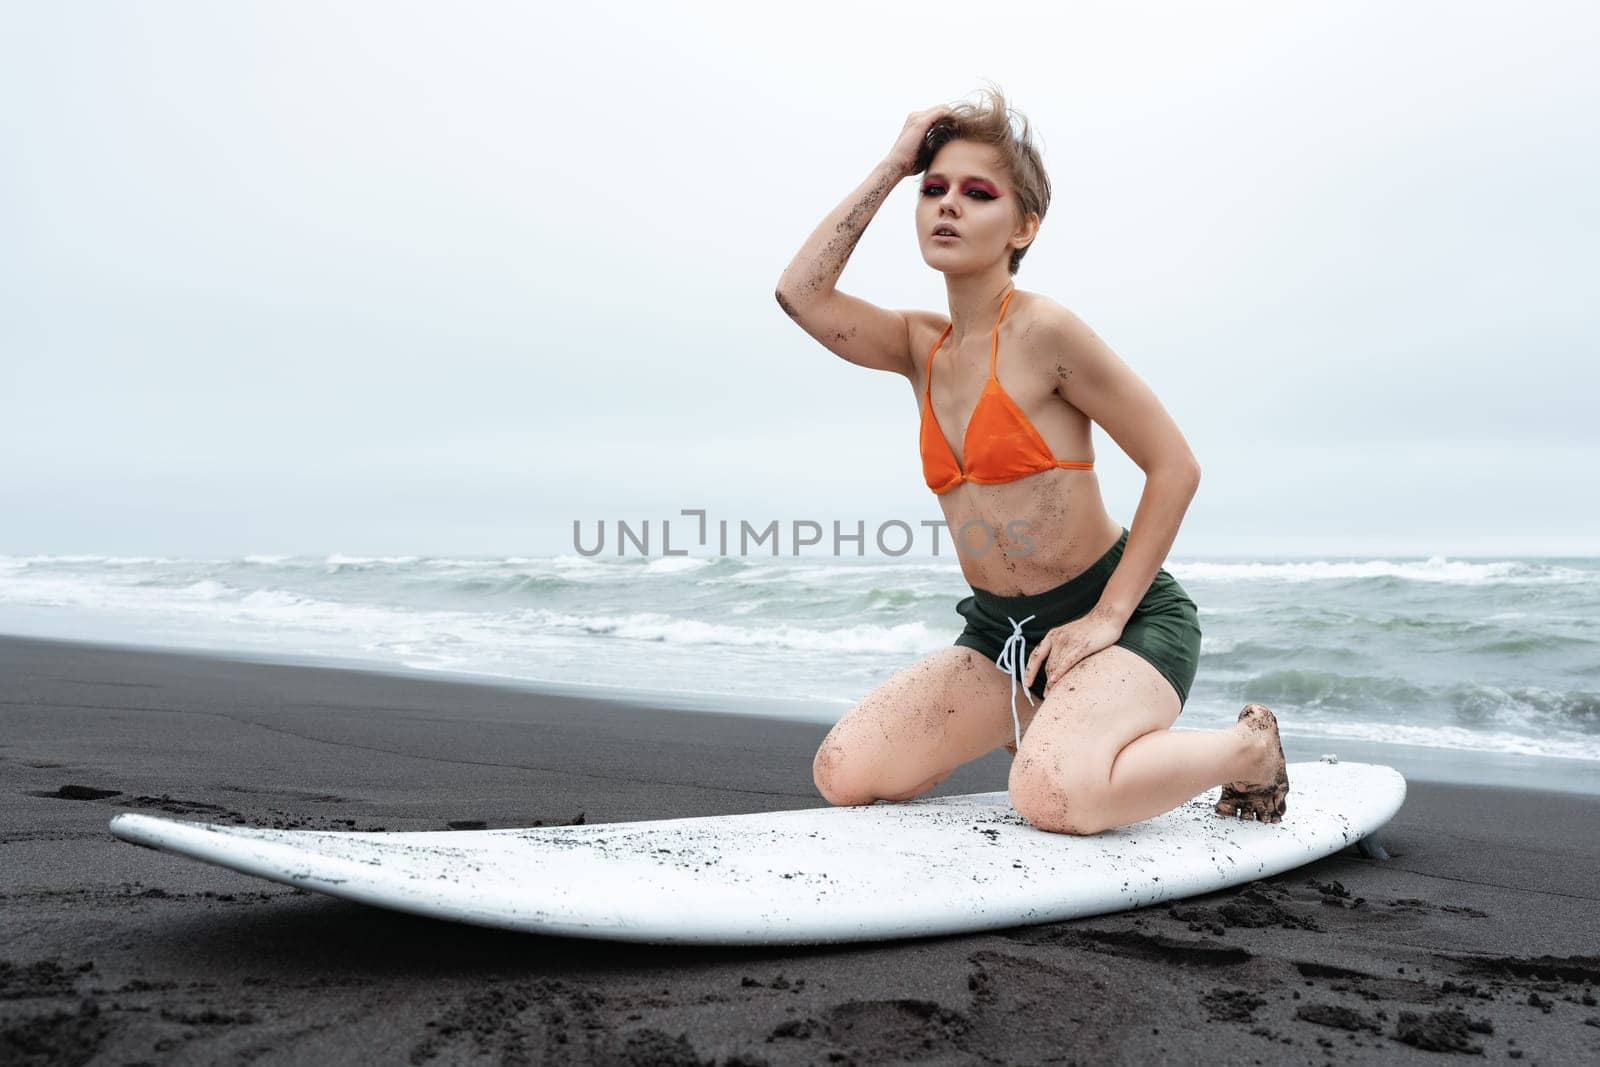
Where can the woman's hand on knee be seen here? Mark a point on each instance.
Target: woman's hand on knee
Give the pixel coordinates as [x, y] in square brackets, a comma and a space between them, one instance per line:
[1065, 646]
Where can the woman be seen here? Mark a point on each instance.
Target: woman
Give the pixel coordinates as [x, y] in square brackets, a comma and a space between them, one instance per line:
[1067, 603]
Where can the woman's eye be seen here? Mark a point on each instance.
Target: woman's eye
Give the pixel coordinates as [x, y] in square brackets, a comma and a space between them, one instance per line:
[937, 190]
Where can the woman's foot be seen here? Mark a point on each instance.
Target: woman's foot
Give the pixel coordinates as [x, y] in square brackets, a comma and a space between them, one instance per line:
[1263, 794]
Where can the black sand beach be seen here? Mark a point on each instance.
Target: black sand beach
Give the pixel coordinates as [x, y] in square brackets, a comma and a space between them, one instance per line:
[1480, 935]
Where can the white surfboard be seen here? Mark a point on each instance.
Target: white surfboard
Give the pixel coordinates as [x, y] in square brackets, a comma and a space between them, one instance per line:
[935, 865]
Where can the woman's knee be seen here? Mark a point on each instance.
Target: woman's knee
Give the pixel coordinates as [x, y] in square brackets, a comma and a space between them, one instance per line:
[835, 778]
[913, 730]
[845, 779]
[1055, 801]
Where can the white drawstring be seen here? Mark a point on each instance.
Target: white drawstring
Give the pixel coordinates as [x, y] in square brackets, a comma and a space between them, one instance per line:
[1012, 659]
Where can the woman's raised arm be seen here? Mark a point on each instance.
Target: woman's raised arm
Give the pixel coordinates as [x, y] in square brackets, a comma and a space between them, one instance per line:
[852, 328]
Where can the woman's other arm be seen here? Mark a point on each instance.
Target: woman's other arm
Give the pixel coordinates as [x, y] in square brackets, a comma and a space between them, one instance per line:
[1096, 381]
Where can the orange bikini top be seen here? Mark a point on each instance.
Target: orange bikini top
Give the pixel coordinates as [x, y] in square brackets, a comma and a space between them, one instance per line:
[1000, 444]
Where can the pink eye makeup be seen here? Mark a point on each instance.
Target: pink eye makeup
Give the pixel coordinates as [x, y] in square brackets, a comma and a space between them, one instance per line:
[936, 186]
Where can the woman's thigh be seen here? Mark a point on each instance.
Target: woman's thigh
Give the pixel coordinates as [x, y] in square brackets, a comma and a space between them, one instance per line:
[1091, 714]
[915, 728]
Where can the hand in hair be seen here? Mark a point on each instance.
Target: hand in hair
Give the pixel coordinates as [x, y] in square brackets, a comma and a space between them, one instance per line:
[909, 154]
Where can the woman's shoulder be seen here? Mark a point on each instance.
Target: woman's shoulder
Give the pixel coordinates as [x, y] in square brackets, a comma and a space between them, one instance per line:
[922, 330]
[1048, 324]
[1038, 307]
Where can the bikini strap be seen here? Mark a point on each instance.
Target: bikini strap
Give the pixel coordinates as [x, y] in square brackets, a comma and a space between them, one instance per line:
[994, 347]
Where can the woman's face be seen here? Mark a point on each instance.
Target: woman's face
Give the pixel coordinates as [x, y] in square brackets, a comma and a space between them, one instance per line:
[965, 189]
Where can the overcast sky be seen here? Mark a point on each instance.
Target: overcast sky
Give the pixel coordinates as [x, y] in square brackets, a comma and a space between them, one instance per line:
[440, 279]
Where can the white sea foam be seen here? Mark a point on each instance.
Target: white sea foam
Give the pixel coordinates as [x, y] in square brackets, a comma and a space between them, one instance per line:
[338, 559]
[80, 561]
[440, 563]
[910, 637]
[676, 564]
[206, 589]
[1453, 737]
[1436, 569]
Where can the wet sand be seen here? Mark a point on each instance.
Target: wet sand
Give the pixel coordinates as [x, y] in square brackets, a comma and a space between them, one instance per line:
[1480, 934]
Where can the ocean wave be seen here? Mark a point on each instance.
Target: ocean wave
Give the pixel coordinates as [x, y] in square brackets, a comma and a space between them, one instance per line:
[1314, 688]
[909, 637]
[1436, 570]
[80, 561]
[1528, 708]
[338, 561]
[515, 584]
[676, 565]
[1240, 651]
[1522, 643]
[901, 599]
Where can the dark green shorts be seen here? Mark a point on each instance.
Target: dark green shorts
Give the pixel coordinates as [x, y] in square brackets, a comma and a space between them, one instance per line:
[1164, 629]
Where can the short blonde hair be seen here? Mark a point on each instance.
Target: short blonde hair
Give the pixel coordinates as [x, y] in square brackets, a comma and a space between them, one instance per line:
[989, 123]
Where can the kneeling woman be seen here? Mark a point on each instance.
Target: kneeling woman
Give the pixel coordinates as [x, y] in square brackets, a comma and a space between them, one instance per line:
[1071, 607]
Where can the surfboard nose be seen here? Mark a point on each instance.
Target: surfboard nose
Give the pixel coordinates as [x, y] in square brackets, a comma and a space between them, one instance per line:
[134, 828]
